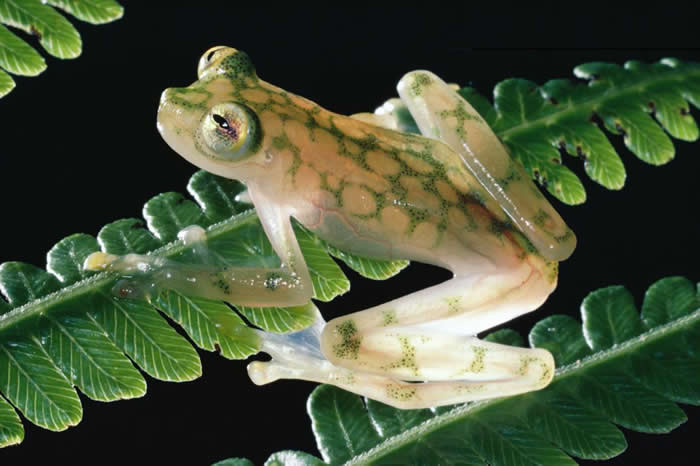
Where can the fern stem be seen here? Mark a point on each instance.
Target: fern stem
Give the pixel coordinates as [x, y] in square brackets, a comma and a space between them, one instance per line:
[398, 441]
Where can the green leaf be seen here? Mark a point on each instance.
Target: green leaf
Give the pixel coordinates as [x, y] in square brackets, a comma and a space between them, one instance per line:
[373, 269]
[641, 134]
[341, 424]
[506, 336]
[669, 370]
[508, 441]
[88, 358]
[17, 57]
[138, 330]
[210, 324]
[389, 421]
[55, 33]
[22, 283]
[217, 195]
[562, 336]
[65, 259]
[280, 319]
[584, 139]
[11, 432]
[608, 389]
[92, 11]
[6, 83]
[126, 236]
[615, 382]
[293, 458]
[609, 317]
[58, 36]
[168, 213]
[638, 101]
[668, 299]
[561, 420]
[234, 462]
[328, 280]
[33, 383]
[537, 157]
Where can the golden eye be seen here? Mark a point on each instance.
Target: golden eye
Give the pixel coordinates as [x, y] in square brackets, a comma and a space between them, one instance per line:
[231, 131]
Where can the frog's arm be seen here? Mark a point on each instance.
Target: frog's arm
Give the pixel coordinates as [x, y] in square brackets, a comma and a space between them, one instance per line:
[288, 285]
[276, 221]
[453, 120]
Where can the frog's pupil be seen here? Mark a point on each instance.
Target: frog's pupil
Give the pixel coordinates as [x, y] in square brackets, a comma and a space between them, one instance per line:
[221, 121]
[211, 55]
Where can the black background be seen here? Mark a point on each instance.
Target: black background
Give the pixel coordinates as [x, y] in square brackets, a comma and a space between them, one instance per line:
[79, 148]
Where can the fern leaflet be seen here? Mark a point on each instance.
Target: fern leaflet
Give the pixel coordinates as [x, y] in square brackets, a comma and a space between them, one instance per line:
[56, 34]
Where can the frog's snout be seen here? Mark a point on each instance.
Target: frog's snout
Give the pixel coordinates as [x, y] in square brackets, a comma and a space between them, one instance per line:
[165, 97]
[165, 101]
[173, 118]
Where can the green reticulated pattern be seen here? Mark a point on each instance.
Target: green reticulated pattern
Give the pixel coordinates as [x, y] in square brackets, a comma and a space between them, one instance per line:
[56, 34]
[645, 104]
[62, 328]
[617, 368]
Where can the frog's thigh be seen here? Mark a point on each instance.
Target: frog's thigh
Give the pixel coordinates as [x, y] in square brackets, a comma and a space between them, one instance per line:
[413, 332]
[463, 305]
[443, 114]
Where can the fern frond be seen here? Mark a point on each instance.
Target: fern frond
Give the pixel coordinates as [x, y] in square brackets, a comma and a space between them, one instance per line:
[62, 327]
[56, 34]
[618, 367]
[637, 101]
[282, 458]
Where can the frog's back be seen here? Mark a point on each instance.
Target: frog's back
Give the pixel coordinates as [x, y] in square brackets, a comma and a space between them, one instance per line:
[387, 194]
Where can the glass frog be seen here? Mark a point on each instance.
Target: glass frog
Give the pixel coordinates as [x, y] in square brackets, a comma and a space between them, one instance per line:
[451, 197]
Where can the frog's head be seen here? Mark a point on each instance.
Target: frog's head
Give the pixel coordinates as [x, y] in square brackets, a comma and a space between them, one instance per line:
[209, 123]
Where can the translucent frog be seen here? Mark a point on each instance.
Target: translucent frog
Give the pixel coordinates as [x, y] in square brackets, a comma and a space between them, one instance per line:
[451, 197]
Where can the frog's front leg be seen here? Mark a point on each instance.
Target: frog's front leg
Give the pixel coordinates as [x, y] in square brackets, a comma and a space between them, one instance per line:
[287, 285]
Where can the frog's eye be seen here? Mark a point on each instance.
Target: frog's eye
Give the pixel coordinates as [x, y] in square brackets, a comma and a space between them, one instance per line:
[231, 131]
[211, 57]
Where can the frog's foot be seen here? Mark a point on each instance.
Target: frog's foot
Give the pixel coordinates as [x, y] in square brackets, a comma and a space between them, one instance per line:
[295, 355]
[98, 261]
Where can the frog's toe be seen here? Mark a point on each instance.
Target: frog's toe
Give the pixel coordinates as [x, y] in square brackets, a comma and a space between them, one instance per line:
[262, 373]
[543, 369]
[98, 261]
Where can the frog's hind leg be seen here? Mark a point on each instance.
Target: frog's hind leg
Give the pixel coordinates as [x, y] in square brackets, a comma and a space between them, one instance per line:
[443, 114]
[511, 371]
[298, 356]
[430, 335]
